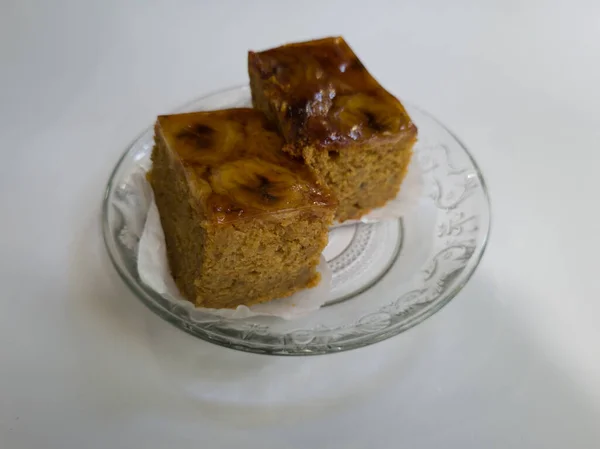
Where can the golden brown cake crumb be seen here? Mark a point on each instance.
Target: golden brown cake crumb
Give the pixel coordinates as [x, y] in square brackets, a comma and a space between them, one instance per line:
[354, 135]
[244, 223]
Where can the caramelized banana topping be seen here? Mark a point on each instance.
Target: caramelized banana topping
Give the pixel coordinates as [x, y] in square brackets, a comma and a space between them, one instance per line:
[235, 166]
[324, 96]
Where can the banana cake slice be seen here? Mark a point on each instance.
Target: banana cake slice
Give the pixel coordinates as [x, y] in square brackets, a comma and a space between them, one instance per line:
[354, 135]
[244, 222]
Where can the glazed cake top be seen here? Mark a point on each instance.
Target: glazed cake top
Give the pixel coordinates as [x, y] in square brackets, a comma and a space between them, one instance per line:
[323, 95]
[234, 165]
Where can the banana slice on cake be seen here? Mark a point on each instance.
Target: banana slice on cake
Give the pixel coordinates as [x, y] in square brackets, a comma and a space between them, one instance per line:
[208, 141]
[367, 115]
[258, 184]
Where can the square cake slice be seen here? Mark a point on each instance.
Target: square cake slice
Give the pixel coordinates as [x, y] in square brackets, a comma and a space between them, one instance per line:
[354, 135]
[244, 222]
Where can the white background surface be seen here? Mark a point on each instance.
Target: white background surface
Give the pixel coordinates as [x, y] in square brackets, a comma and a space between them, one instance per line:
[512, 362]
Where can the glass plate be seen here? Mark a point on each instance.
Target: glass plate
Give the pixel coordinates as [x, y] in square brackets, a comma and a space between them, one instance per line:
[387, 276]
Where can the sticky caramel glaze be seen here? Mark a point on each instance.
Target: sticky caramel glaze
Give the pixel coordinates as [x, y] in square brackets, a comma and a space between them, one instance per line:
[233, 163]
[322, 95]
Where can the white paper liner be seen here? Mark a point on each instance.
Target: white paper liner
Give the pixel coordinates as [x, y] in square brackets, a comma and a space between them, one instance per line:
[153, 268]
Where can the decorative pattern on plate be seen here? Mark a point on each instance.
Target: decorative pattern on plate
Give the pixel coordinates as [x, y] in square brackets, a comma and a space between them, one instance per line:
[359, 243]
[439, 255]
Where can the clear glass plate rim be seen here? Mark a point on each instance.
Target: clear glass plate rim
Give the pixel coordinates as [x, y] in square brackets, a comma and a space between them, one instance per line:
[257, 347]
